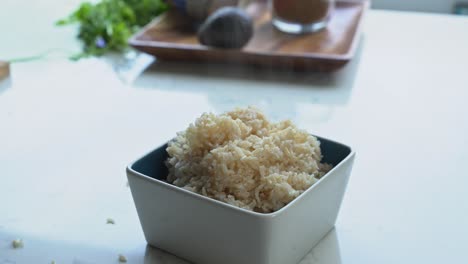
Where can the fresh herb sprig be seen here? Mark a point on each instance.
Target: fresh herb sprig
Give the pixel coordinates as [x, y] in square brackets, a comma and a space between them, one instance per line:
[106, 26]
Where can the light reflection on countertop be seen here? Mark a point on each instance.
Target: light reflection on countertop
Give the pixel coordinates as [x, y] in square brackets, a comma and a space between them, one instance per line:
[231, 86]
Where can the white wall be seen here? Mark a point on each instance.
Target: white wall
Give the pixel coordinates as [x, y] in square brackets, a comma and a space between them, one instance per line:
[439, 6]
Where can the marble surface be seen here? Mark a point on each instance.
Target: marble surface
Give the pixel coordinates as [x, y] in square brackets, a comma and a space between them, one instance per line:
[68, 129]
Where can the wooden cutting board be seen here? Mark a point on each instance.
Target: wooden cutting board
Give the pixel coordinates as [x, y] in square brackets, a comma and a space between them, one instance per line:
[173, 37]
[4, 70]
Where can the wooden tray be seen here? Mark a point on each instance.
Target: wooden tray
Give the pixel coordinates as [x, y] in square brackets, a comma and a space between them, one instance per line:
[172, 37]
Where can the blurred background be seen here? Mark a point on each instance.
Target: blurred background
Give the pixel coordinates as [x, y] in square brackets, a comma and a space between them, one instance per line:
[37, 13]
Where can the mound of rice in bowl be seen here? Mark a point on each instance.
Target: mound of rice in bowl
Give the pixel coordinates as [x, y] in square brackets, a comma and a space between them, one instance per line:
[241, 158]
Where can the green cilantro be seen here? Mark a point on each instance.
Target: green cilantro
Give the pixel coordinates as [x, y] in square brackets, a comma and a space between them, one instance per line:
[107, 25]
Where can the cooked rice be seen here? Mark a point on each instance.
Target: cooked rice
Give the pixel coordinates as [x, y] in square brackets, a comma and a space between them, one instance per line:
[242, 159]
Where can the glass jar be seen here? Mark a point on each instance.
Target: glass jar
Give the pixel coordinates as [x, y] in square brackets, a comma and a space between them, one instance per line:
[301, 16]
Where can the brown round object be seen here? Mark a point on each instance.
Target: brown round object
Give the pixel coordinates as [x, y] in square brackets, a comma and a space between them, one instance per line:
[228, 27]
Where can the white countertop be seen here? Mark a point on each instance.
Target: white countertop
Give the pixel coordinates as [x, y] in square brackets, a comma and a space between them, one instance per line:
[68, 130]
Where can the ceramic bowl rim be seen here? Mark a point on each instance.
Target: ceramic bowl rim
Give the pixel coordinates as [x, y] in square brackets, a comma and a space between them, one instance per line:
[224, 205]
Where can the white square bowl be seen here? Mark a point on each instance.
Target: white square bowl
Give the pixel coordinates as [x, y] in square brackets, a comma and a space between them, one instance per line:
[204, 230]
